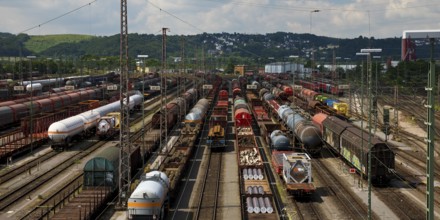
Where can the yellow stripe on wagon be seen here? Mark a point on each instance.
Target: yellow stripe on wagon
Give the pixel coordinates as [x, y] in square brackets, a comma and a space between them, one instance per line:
[143, 204]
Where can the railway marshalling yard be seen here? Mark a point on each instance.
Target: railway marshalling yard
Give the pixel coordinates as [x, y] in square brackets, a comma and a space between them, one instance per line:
[339, 193]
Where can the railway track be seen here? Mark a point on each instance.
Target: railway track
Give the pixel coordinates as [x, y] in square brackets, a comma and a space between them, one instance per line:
[7, 175]
[30, 186]
[186, 187]
[68, 189]
[72, 187]
[12, 196]
[401, 205]
[306, 210]
[208, 200]
[354, 208]
[279, 206]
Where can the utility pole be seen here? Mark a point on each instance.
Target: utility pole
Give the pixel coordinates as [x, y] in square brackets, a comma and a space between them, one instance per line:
[204, 71]
[124, 132]
[181, 83]
[143, 149]
[432, 35]
[31, 129]
[430, 174]
[163, 96]
[370, 105]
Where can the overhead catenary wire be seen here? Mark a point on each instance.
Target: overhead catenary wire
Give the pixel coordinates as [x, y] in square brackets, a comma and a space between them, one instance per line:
[59, 16]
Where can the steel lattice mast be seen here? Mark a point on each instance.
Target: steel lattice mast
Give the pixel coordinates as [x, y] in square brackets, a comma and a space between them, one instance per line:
[163, 98]
[124, 137]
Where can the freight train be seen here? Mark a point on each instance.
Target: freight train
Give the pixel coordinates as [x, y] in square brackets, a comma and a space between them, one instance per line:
[255, 191]
[149, 199]
[325, 86]
[37, 85]
[12, 111]
[175, 109]
[352, 143]
[218, 122]
[294, 168]
[315, 102]
[61, 133]
[305, 133]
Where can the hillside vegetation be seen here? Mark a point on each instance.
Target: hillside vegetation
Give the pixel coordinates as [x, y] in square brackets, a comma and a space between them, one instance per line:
[235, 47]
[40, 43]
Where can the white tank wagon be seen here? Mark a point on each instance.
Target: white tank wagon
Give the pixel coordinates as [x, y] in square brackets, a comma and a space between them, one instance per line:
[148, 200]
[34, 87]
[61, 133]
[44, 82]
[108, 125]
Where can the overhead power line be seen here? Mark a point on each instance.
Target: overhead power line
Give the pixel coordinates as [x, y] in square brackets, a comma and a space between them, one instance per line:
[58, 17]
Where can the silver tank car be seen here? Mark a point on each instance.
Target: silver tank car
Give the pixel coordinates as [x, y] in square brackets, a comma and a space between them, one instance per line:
[268, 96]
[284, 111]
[34, 87]
[307, 133]
[148, 199]
[279, 141]
[198, 111]
[262, 92]
[195, 117]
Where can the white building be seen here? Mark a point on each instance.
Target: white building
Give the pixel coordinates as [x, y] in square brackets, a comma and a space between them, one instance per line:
[284, 67]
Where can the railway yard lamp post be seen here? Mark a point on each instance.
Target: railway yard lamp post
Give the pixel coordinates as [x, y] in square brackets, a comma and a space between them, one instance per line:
[143, 57]
[31, 129]
[296, 68]
[375, 111]
[362, 114]
[312, 53]
[370, 105]
[432, 35]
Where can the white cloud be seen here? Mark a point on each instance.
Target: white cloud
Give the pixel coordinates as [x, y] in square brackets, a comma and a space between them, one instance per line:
[337, 18]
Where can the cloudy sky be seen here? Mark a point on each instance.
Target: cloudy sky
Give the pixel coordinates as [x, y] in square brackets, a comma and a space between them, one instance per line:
[334, 18]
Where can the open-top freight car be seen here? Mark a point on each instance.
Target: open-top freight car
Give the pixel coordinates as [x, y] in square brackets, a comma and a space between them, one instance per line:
[257, 197]
[100, 186]
[256, 105]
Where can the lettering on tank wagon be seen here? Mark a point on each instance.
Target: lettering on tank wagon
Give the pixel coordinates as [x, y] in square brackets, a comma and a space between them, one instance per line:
[155, 88]
[112, 87]
[18, 88]
[69, 87]
[207, 86]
